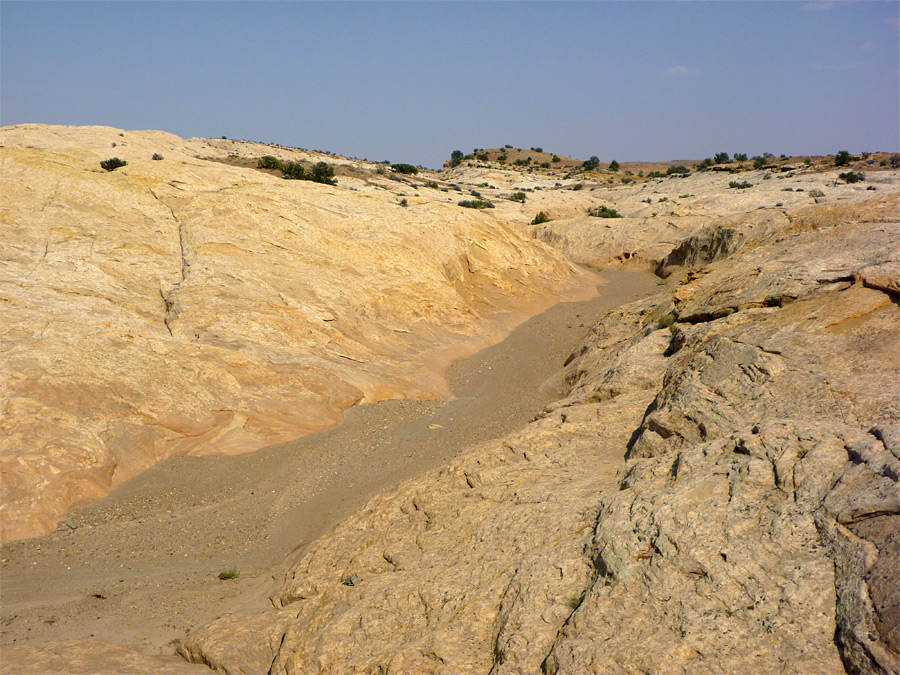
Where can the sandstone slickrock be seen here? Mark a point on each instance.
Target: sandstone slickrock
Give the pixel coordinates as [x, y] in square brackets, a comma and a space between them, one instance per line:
[188, 306]
[753, 527]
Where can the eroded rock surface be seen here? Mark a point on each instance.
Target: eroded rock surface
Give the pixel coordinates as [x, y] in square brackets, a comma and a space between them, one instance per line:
[752, 528]
[187, 306]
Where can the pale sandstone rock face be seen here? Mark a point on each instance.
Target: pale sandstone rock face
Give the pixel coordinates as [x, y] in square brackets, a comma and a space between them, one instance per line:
[88, 657]
[753, 527]
[188, 306]
[664, 219]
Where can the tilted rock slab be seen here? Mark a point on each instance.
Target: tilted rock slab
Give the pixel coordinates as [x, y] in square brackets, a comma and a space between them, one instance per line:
[188, 306]
[753, 528]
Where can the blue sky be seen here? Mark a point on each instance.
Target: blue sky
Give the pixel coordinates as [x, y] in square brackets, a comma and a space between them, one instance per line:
[412, 81]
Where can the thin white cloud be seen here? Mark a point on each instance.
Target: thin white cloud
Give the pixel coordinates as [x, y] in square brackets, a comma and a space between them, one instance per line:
[679, 71]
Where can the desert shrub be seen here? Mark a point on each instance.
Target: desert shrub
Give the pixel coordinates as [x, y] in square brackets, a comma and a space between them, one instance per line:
[268, 162]
[721, 158]
[156, 156]
[555, 159]
[456, 158]
[545, 165]
[232, 573]
[578, 186]
[895, 161]
[740, 157]
[591, 164]
[672, 170]
[843, 158]
[627, 180]
[508, 146]
[403, 202]
[656, 174]
[604, 212]
[291, 170]
[742, 185]
[852, 176]
[759, 162]
[502, 158]
[518, 197]
[475, 193]
[431, 184]
[537, 149]
[482, 157]
[476, 204]
[407, 169]
[323, 173]
[614, 165]
[541, 217]
[112, 163]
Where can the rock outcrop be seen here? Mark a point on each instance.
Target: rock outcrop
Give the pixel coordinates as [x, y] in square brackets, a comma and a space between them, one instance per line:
[753, 527]
[186, 305]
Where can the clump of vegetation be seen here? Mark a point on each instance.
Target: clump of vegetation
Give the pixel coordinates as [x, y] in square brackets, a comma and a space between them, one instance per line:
[456, 158]
[555, 159]
[433, 185]
[541, 217]
[407, 169]
[518, 197]
[604, 212]
[656, 174]
[740, 157]
[591, 164]
[578, 186]
[677, 170]
[843, 158]
[112, 163]
[537, 149]
[231, 573]
[815, 194]
[476, 204]
[895, 161]
[482, 157]
[321, 172]
[156, 156]
[403, 202]
[268, 162]
[852, 176]
[721, 158]
[740, 185]
[614, 165]
[575, 601]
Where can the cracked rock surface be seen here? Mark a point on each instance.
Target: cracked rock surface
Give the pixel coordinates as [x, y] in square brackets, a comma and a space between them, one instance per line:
[751, 528]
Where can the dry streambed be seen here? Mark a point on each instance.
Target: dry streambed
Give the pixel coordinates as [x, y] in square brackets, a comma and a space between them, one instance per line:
[139, 568]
